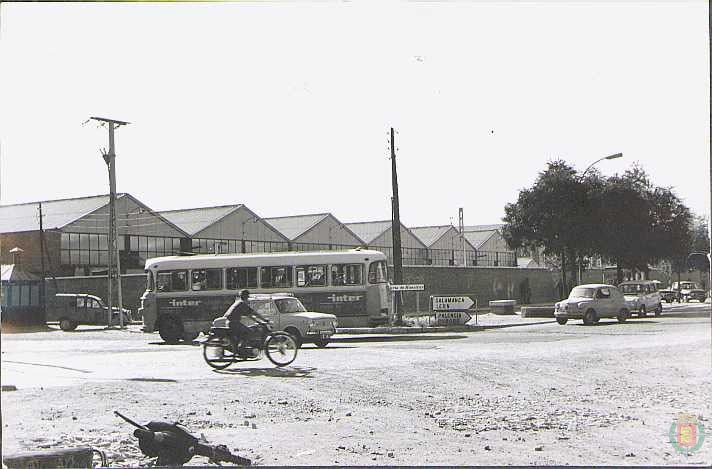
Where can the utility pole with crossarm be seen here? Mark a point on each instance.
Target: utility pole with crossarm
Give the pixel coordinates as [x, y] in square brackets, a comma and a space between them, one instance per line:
[114, 267]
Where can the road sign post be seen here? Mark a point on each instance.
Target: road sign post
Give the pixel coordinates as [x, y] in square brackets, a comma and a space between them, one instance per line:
[401, 288]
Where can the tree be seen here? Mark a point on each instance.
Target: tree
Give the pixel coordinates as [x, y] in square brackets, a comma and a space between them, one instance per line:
[552, 214]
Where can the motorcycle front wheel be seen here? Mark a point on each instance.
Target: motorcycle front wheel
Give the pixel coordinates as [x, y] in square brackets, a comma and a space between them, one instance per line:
[217, 353]
[281, 348]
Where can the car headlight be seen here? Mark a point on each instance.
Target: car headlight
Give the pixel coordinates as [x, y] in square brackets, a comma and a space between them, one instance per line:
[312, 325]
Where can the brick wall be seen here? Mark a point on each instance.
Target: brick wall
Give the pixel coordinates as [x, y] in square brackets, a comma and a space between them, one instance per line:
[483, 283]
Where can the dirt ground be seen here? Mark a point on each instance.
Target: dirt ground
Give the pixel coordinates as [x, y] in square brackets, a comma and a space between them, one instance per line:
[543, 395]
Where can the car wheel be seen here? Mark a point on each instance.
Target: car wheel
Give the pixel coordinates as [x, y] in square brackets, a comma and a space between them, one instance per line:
[295, 334]
[622, 316]
[590, 317]
[67, 324]
[170, 330]
[321, 343]
[562, 321]
[659, 309]
[641, 312]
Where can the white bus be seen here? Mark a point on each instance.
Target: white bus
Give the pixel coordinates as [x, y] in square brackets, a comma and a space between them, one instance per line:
[185, 293]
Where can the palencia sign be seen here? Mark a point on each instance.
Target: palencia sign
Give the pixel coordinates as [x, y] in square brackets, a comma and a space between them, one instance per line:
[448, 318]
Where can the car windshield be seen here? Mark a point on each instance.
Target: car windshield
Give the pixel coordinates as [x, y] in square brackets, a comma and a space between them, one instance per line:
[289, 305]
[632, 288]
[581, 292]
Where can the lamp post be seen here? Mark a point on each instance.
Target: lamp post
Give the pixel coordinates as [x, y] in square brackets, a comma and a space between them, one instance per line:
[609, 157]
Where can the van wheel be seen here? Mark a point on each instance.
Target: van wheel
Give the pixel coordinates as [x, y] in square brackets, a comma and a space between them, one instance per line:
[622, 316]
[190, 336]
[589, 317]
[562, 321]
[295, 334]
[659, 309]
[67, 324]
[170, 330]
[642, 313]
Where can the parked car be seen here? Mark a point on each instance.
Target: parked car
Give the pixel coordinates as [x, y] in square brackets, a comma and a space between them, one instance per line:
[642, 296]
[591, 303]
[73, 309]
[669, 295]
[689, 291]
[288, 314]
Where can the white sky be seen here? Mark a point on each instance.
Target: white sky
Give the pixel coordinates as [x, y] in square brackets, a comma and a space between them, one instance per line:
[287, 107]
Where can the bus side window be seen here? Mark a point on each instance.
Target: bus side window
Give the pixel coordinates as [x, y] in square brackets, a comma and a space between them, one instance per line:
[241, 277]
[346, 274]
[276, 277]
[173, 280]
[311, 275]
[197, 280]
[179, 280]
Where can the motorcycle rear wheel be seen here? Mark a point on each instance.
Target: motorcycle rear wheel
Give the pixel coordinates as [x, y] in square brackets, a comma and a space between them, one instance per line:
[281, 348]
[217, 353]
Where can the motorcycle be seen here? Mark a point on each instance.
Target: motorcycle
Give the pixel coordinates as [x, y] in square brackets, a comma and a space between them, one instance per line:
[220, 349]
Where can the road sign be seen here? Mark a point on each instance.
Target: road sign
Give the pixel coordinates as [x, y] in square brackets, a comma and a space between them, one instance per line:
[414, 287]
[452, 303]
[449, 318]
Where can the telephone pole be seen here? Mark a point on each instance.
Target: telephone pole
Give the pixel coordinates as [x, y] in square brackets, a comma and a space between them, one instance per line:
[43, 295]
[114, 267]
[395, 229]
[461, 226]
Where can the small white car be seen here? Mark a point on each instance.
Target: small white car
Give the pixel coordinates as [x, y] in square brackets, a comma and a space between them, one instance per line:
[288, 314]
[592, 302]
[642, 297]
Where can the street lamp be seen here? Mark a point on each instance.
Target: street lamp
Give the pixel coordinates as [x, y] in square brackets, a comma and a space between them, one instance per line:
[609, 157]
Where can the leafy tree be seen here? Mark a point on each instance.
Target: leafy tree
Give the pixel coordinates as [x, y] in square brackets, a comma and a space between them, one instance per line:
[550, 215]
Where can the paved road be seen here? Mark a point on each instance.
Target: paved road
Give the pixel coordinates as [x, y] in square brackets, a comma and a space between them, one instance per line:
[605, 394]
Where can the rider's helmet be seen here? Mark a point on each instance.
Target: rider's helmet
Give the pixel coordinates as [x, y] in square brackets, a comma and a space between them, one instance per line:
[245, 294]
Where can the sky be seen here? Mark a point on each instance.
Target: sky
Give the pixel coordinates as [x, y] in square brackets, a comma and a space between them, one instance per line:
[287, 108]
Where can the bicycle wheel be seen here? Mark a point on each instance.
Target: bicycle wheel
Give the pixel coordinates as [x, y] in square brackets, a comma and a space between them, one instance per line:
[281, 349]
[217, 354]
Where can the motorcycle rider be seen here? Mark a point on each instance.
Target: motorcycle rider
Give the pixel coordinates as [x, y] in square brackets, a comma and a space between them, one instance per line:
[234, 315]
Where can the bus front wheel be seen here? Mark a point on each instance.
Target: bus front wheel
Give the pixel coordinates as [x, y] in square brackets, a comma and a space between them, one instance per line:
[170, 330]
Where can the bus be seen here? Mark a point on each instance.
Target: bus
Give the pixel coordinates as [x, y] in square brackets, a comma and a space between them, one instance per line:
[185, 293]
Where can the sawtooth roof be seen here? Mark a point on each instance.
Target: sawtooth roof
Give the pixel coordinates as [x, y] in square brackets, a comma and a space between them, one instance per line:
[58, 213]
[369, 230]
[55, 213]
[429, 235]
[294, 226]
[497, 226]
[195, 220]
[478, 238]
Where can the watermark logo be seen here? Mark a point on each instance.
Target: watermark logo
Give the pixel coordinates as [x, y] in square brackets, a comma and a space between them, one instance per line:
[686, 433]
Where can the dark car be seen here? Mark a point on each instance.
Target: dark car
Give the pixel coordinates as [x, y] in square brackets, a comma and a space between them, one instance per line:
[73, 309]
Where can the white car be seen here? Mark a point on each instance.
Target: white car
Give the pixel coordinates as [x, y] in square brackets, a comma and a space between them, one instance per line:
[287, 313]
[592, 302]
[642, 297]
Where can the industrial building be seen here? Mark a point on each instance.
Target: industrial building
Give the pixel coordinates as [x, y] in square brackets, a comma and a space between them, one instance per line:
[76, 241]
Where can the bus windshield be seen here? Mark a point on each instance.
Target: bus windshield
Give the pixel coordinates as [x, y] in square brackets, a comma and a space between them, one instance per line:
[289, 305]
[377, 272]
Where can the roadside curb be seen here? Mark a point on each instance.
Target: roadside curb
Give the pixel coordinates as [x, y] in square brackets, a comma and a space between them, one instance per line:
[428, 329]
